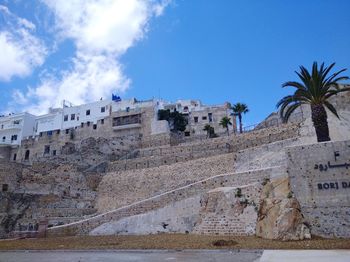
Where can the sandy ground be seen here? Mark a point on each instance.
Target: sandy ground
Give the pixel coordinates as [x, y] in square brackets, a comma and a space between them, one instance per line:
[167, 241]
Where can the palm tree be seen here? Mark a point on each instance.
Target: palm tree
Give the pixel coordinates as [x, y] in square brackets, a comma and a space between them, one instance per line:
[315, 89]
[238, 110]
[225, 123]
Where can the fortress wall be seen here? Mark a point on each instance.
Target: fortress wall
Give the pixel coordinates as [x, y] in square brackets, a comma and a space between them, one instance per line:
[267, 155]
[167, 155]
[122, 188]
[57, 193]
[224, 213]
[10, 173]
[320, 180]
[228, 180]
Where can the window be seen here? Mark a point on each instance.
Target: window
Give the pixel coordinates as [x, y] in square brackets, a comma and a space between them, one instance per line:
[88, 112]
[187, 133]
[103, 109]
[2, 126]
[67, 131]
[14, 137]
[82, 125]
[3, 138]
[58, 132]
[186, 109]
[47, 150]
[204, 118]
[65, 118]
[102, 121]
[5, 187]
[72, 117]
[41, 134]
[94, 126]
[16, 122]
[88, 123]
[14, 157]
[196, 119]
[26, 156]
[53, 152]
[210, 116]
[49, 133]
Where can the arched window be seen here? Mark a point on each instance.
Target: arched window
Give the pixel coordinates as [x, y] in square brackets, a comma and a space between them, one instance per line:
[26, 156]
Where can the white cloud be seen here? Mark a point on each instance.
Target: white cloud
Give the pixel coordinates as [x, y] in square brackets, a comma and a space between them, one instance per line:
[21, 51]
[102, 31]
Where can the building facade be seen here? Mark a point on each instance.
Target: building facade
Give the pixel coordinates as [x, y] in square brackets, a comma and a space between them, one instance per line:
[28, 137]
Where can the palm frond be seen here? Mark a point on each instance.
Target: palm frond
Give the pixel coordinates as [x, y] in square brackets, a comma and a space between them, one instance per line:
[331, 108]
[289, 111]
[294, 84]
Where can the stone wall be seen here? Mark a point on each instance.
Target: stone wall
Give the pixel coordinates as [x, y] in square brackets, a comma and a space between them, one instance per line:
[268, 155]
[229, 211]
[58, 194]
[320, 180]
[122, 188]
[147, 205]
[167, 155]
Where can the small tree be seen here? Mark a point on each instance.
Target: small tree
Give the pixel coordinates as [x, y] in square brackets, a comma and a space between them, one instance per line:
[210, 131]
[238, 110]
[177, 121]
[225, 123]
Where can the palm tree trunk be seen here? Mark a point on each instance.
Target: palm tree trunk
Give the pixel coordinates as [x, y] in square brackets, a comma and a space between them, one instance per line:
[240, 123]
[228, 132]
[319, 119]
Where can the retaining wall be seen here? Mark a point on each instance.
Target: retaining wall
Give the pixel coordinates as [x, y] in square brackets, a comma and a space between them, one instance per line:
[156, 202]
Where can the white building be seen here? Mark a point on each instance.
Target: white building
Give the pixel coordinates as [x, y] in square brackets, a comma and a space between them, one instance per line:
[15, 127]
[87, 114]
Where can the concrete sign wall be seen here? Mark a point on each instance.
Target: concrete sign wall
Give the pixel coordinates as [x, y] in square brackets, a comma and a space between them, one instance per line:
[320, 180]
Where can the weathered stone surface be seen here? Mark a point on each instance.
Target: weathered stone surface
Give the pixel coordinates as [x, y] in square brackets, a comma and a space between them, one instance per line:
[280, 217]
[224, 211]
[12, 208]
[177, 217]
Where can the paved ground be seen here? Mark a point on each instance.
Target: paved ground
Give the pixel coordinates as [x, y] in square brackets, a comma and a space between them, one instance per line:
[131, 256]
[306, 256]
[183, 256]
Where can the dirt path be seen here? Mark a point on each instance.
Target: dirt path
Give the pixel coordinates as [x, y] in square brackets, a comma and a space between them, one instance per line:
[168, 241]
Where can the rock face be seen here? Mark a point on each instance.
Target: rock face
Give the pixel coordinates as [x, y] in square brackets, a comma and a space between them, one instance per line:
[12, 208]
[279, 215]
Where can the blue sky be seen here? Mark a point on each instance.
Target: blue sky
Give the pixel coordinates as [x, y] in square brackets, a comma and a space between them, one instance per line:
[216, 51]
